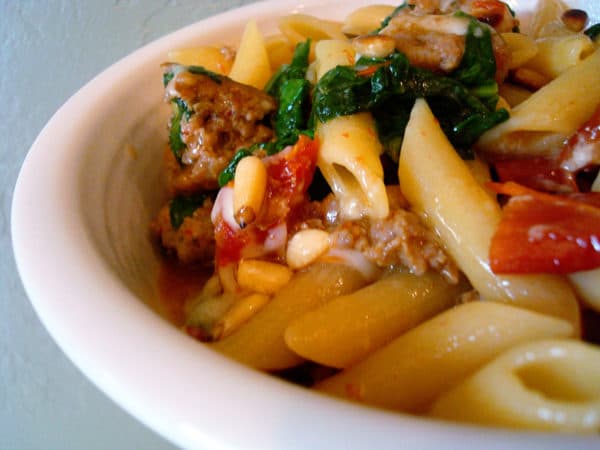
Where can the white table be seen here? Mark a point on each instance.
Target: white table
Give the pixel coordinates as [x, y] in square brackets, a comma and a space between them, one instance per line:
[48, 50]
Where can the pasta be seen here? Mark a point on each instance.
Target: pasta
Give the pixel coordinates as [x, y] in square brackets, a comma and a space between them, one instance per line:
[432, 357]
[346, 329]
[355, 175]
[442, 191]
[531, 386]
[397, 208]
[251, 65]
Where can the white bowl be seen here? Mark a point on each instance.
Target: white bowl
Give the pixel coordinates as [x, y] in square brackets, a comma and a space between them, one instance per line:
[81, 210]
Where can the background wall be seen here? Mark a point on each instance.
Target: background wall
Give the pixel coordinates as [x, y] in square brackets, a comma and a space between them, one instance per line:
[48, 50]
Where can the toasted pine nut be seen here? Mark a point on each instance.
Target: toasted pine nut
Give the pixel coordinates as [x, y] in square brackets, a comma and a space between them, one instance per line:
[262, 276]
[239, 314]
[306, 246]
[575, 19]
[250, 183]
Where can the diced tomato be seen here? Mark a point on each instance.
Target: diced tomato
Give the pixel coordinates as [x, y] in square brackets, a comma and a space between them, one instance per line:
[543, 174]
[545, 233]
[582, 149]
[495, 13]
[289, 174]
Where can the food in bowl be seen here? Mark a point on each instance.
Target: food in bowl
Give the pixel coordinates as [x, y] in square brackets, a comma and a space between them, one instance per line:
[400, 209]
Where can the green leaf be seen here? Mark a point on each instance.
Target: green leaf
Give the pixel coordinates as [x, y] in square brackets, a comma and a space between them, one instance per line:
[181, 111]
[296, 69]
[184, 206]
[229, 172]
[593, 32]
[292, 113]
[390, 92]
[478, 65]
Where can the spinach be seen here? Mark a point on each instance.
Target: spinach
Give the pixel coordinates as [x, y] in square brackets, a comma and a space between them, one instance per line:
[182, 111]
[292, 113]
[389, 93]
[199, 70]
[477, 68]
[229, 172]
[593, 32]
[292, 91]
[296, 69]
[167, 77]
[184, 206]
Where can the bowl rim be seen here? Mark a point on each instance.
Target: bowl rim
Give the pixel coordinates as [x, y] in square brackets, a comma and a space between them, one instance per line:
[205, 416]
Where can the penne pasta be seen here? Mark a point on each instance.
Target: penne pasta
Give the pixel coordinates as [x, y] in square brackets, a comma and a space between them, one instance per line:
[440, 186]
[348, 328]
[522, 48]
[251, 65]
[410, 372]
[366, 19]
[557, 54]
[558, 109]
[355, 174]
[215, 59]
[531, 386]
[259, 343]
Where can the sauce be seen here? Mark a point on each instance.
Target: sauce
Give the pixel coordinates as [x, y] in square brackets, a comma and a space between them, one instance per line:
[178, 283]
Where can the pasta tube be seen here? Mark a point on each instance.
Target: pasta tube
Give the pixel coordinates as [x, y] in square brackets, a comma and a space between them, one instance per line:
[559, 108]
[411, 371]
[439, 185]
[350, 148]
[251, 64]
[346, 329]
[366, 19]
[557, 54]
[543, 385]
[259, 342]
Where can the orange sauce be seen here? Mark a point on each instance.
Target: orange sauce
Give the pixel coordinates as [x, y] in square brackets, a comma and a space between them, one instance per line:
[176, 284]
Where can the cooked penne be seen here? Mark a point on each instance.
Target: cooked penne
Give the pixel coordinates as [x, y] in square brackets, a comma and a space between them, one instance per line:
[300, 27]
[557, 54]
[532, 386]
[366, 19]
[350, 149]
[348, 328]
[280, 51]
[259, 343]
[216, 59]
[522, 48]
[546, 19]
[251, 65]
[440, 186]
[411, 371]
[558, 109]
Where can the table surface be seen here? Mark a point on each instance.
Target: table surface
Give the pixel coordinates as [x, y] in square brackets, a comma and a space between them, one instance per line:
[48, 50]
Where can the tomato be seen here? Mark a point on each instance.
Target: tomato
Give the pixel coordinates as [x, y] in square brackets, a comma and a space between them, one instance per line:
[495, 13]
[545, 233]
[582, 149]
[289, 174]
[542, 174]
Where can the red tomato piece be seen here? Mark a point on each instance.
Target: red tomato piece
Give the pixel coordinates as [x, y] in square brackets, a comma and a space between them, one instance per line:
[289, 174]
[545, 233]
[542, 174]
[582, 149]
